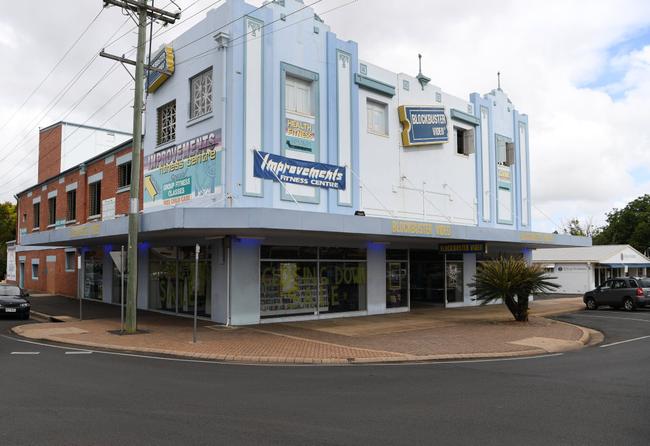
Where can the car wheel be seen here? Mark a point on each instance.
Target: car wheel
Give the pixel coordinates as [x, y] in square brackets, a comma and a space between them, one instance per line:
[25, 316]
[591, 303]
[628, 303]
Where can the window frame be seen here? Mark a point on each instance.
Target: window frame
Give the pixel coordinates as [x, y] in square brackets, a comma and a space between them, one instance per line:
[208, 73]
[97, 187]
[35, 269]
[296, 81]
[51, 211]
[70, 265]
[381, 106]
[159, 112]
[125, 166]
[71, 211]
[36, 210]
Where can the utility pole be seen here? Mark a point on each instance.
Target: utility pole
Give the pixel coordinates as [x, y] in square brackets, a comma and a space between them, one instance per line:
[143, 10]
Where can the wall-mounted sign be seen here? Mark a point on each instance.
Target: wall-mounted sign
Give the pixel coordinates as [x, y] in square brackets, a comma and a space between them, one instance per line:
[183, 172]
[300, 134]
[423, 125]
[419, 228]
[11, 262]
[459, 248]
[504, 176]
[108, 209]
[165, 61]
[293, 171]
[87, 230]
[411, 227]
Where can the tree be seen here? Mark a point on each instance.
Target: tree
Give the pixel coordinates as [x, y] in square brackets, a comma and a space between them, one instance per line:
[628, 226]
[512, 280]
[7, 232]
[586, 229]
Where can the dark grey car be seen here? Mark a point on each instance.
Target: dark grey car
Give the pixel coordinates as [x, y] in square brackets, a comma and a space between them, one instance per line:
[13, 301]
[627, 292]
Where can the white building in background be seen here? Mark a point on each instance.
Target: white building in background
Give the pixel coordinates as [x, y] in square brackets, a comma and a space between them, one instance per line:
[582, 269]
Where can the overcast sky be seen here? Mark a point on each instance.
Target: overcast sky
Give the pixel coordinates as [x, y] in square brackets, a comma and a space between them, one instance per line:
[579, 69]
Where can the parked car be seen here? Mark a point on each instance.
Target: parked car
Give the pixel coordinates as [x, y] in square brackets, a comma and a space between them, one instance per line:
[13, 301]
[626, 292]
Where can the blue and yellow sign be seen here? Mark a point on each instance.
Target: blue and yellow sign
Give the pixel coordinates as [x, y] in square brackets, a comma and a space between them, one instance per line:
[300, 134]
[164, 60]
[184, 172]
[423, 125]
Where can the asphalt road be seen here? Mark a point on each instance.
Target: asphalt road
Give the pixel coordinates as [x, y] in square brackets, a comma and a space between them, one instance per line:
[56, 395]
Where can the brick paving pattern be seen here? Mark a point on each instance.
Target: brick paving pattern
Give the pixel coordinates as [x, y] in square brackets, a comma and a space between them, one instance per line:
[422, 334]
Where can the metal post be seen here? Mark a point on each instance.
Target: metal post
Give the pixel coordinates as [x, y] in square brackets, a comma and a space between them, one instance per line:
[81, 261]
[134, 217]
[446, 302]
[196, 289]
[122, 288]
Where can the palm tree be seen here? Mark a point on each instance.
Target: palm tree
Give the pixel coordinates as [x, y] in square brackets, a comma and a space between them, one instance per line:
[511, 280]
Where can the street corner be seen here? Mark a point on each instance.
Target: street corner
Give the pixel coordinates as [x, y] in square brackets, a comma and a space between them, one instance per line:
[46, 331]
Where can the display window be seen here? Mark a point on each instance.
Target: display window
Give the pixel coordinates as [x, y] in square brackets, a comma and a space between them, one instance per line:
[307, 280]
[172, 281]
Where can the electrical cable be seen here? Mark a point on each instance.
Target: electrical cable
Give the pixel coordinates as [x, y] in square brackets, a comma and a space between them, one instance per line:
[56, 65]
[69, 135]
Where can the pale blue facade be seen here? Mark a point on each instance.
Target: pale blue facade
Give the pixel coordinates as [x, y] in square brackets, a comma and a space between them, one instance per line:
[311, 55]
[275, 79]
[503, 121]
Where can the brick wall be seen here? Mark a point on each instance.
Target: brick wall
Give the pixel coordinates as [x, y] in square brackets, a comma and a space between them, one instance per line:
[49, 152]
[107, 166]
[53, 278]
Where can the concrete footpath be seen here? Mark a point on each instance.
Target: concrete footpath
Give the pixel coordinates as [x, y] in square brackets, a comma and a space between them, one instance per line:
[424, 334]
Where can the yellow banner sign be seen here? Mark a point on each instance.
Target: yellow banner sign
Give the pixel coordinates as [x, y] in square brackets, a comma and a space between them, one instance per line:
[418, 228]
[86, 230]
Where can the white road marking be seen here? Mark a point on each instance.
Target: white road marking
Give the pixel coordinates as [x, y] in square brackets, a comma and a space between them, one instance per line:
[25, 353]
[230, 363]
[614, 317]
[79, 352]
[623, 342]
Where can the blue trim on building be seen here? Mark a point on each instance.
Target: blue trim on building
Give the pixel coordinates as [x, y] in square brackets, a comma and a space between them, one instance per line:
[374, 85]
[459, 115]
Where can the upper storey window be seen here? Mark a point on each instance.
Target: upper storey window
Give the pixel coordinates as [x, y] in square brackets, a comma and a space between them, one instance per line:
[201, 94]
[298, 96]
[167, 123]
[377, 118]
[505, 151]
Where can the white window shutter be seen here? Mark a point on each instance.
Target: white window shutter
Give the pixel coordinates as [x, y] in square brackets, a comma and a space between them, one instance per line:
[468, 137]
[510, 154]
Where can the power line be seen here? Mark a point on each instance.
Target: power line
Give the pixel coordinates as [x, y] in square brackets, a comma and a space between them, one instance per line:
[29, 128]
[204, 53]
[65, 139]
[56, 65]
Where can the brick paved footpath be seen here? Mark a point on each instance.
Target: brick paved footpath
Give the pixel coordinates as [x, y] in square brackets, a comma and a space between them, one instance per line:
[423, 334]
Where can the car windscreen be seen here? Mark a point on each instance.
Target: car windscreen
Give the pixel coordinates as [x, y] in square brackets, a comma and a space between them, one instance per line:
[644, 283]
[9, 290]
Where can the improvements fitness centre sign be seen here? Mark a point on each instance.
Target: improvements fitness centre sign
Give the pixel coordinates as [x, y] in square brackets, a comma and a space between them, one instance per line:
[293, 171]
[423, 125]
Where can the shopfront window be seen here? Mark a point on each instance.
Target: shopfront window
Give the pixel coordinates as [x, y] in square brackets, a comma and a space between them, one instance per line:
[343, 286]
[306, 280]
[172, 283]
[93, 274]
[396, 278]
[288, 288]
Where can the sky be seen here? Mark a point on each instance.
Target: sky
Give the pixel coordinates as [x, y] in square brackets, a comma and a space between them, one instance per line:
[580, 70]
